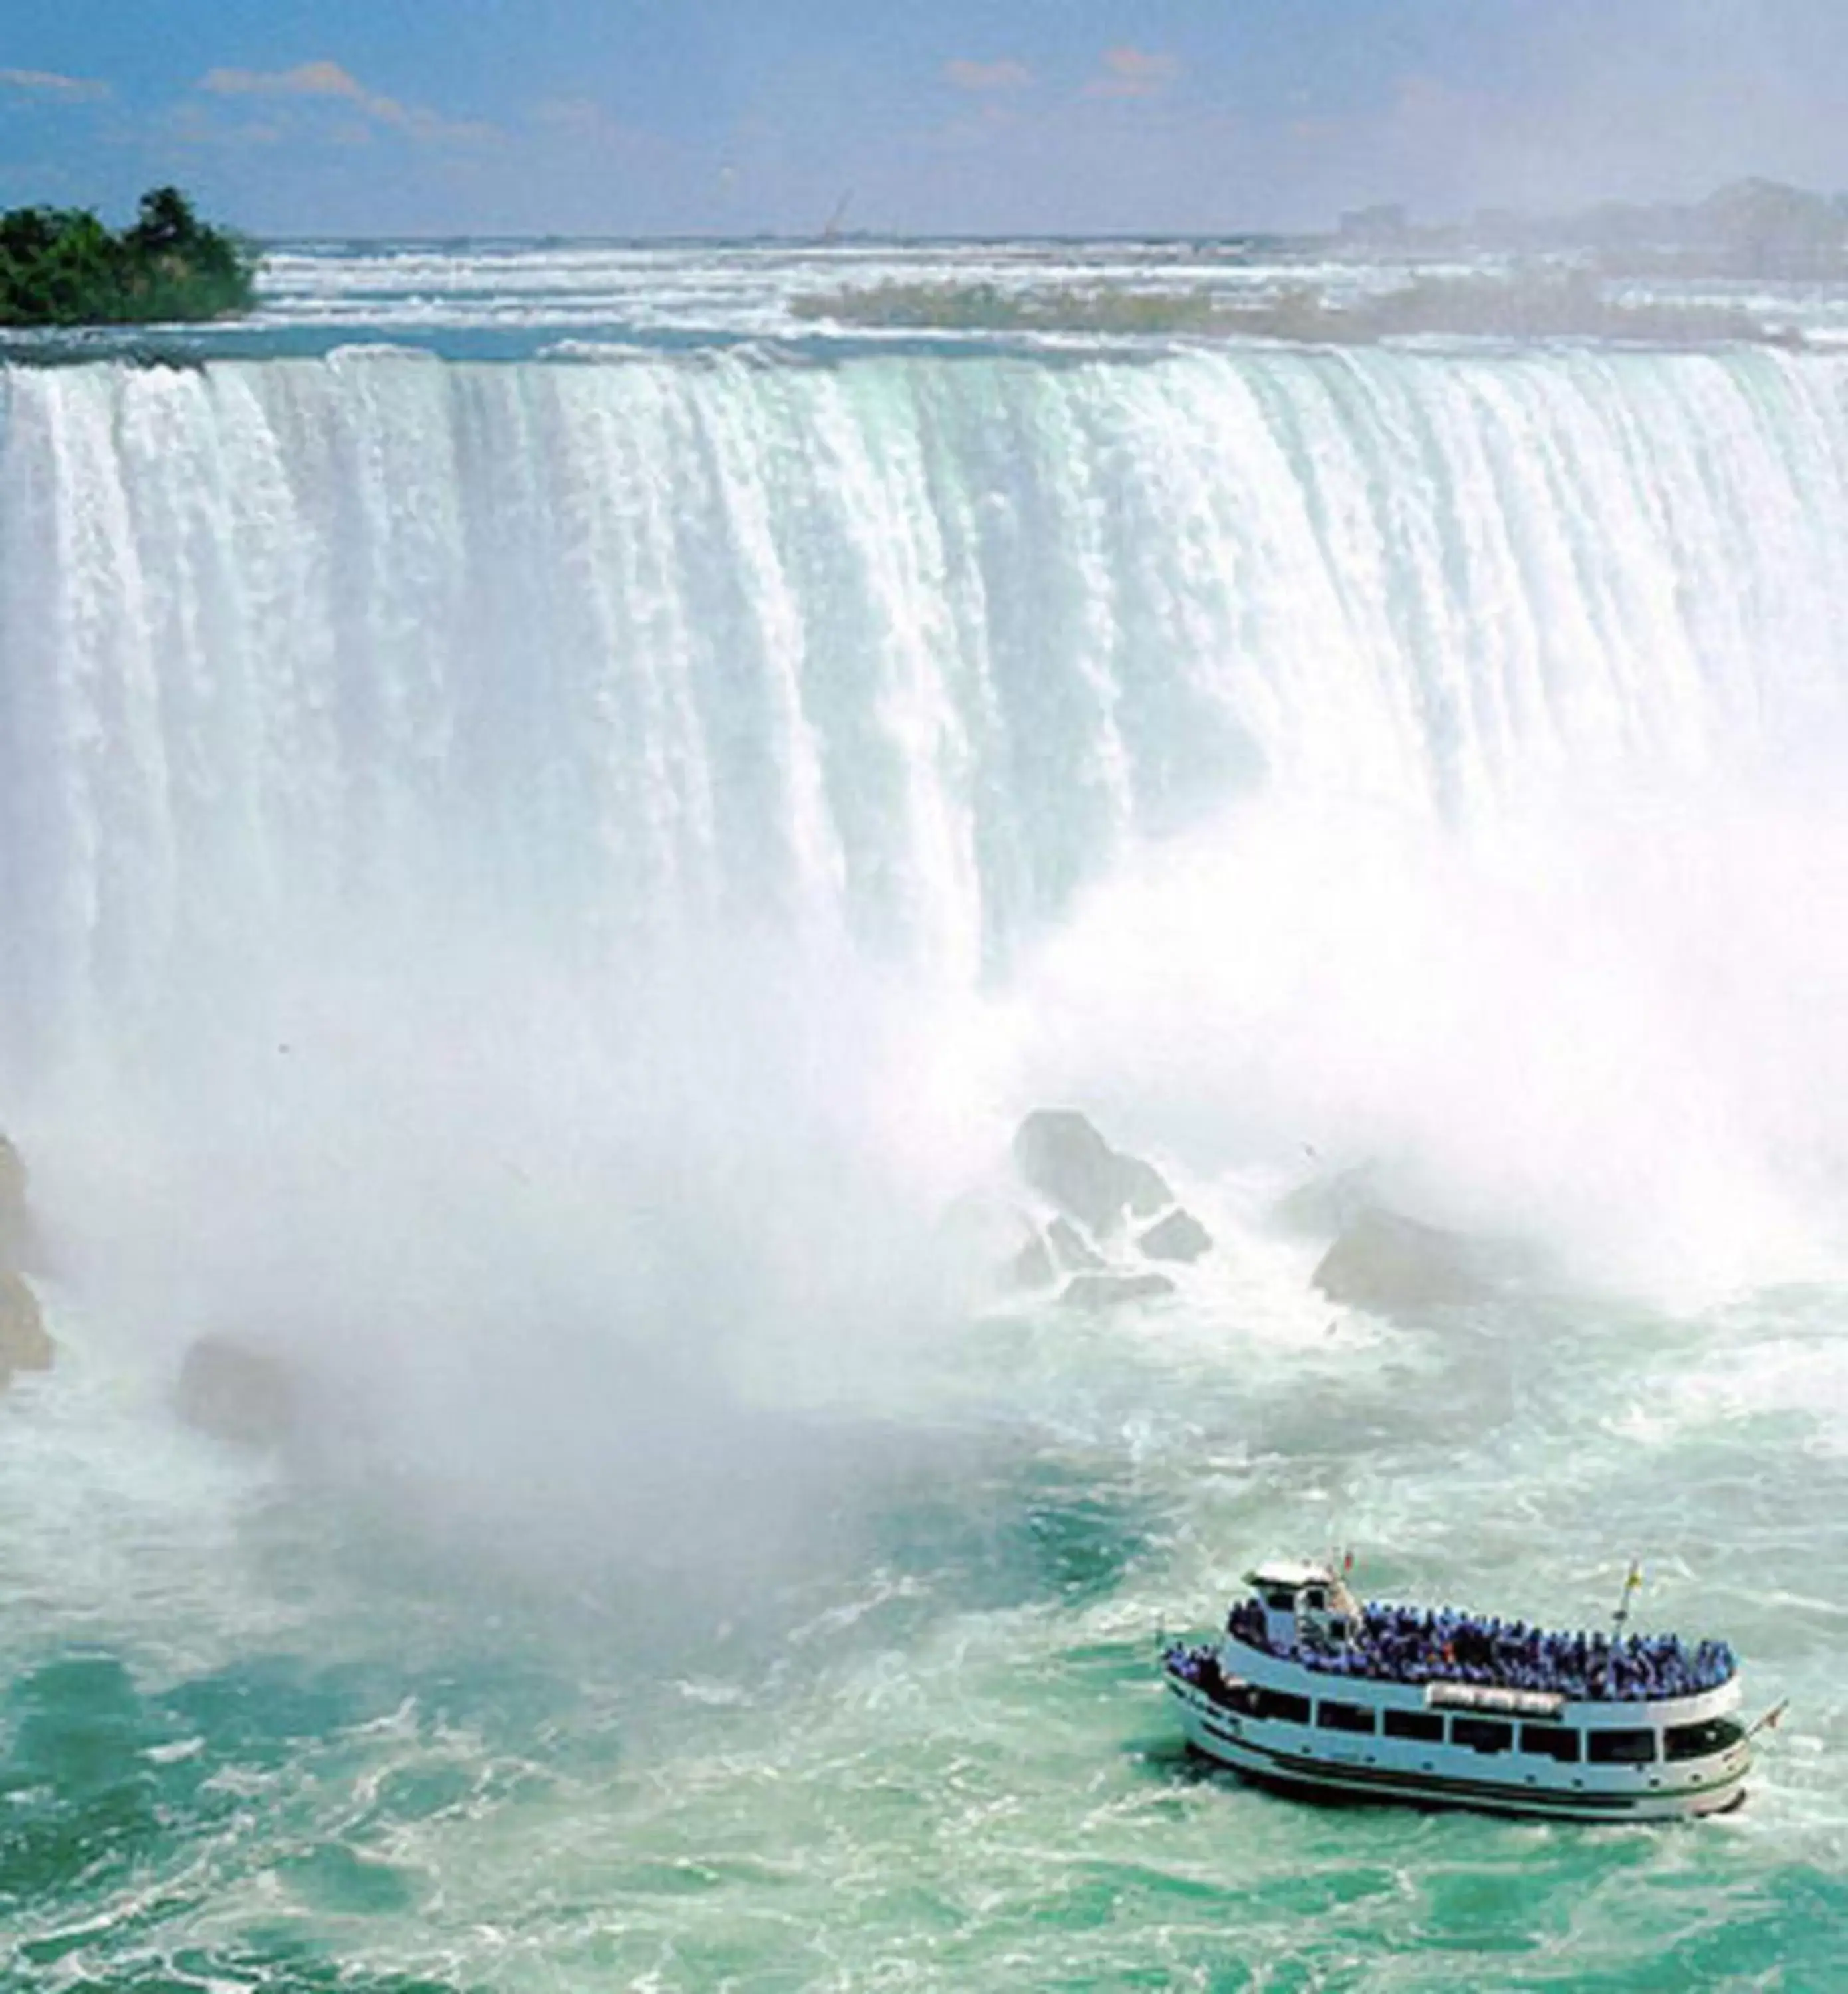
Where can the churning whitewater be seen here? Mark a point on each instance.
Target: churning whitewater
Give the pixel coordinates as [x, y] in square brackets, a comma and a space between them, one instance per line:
[538, 888]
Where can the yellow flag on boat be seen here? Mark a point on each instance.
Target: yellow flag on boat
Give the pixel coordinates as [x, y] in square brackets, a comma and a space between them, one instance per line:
[1632, 1580]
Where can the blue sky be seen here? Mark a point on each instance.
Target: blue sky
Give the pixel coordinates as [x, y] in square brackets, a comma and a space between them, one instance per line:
[965, 116]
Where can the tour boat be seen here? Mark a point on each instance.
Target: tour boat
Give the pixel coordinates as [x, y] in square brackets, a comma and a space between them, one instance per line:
[1312, 1690]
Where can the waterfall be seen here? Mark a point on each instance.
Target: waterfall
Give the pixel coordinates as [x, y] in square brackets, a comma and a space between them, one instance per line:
[903, 650]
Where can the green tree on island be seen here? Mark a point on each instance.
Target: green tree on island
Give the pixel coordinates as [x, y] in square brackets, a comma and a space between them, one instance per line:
[62, 266]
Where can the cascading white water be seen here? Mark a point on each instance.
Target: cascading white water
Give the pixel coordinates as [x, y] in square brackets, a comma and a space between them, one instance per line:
[431, 675]
[912, 646]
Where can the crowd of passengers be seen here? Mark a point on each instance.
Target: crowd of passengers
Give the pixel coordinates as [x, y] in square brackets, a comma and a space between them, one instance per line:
[1400, 1644]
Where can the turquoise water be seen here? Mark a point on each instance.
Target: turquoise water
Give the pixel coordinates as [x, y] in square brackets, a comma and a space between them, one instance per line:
[538, 884]
[266, 1734]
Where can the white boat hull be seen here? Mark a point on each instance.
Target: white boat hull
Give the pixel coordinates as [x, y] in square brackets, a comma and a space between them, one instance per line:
[1302, 1759]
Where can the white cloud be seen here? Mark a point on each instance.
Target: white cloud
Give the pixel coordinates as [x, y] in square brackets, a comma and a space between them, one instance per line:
[328, 82]
[52, 88]
[986, 77]
[308, 79]
[1133, 72]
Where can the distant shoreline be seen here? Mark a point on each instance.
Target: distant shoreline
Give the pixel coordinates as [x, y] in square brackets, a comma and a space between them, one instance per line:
[1749, 230]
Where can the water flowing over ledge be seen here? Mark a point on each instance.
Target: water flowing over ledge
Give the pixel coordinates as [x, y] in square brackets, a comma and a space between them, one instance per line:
[906, 650]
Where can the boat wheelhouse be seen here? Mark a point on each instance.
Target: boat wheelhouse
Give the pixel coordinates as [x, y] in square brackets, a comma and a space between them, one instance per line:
[1313, 1691]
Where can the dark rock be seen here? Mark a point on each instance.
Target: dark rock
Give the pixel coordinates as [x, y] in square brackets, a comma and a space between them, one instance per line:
[1095, 1292]
[237, 1393]
[1061, 1155]
[1180, 1236]
[24, 1345]
[1387, 1263]
[1073, 1249]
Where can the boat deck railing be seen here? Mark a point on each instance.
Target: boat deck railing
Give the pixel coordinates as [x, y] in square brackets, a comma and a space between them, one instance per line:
[1403, 1644]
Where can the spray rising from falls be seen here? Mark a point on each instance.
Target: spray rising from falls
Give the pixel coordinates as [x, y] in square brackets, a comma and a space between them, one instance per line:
[1385, 735]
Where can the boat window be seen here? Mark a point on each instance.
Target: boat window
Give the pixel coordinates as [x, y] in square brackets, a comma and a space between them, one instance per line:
[1344, 1717]
[1619, 1748]
[1482, 1734]
[1281, 1705]
[1551, 1741]
[1280, 1600]
[1315, 1599]
[1424, 1725]
[1696, 1741]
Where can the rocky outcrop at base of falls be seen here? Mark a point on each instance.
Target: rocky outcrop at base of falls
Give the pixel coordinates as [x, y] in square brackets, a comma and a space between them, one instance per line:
[1381, 1259]
[1096, 1192]
[1071, 1250]
[1095, 1292]
[1383, 1262]
[236, 1391]
[1394, 1265]
[24, 1343]
[1059, 1152]
[1180, 1236]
